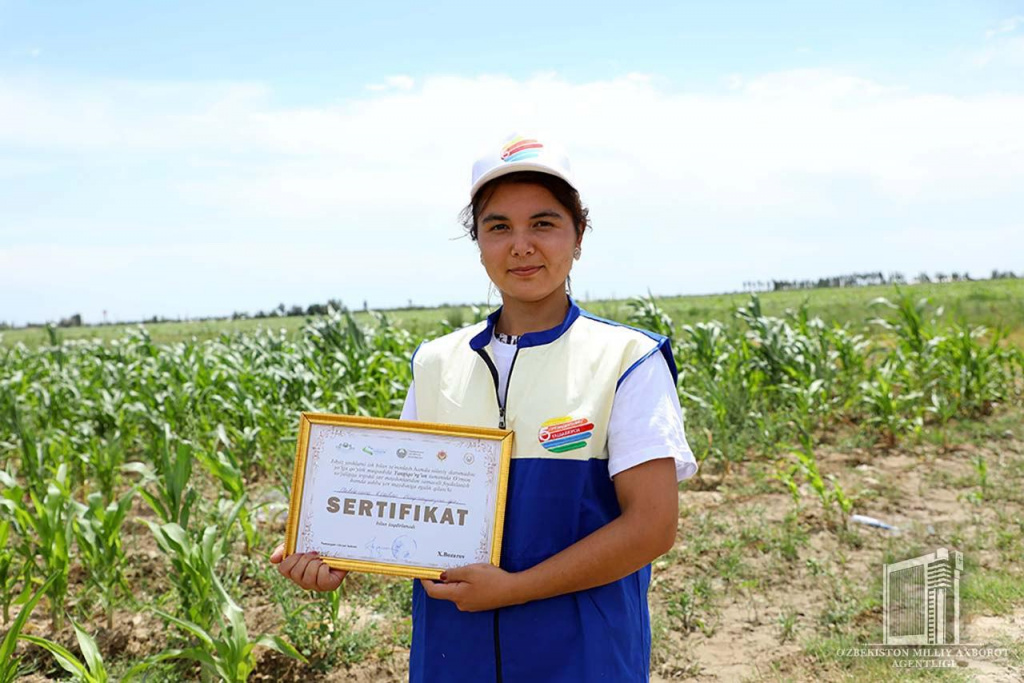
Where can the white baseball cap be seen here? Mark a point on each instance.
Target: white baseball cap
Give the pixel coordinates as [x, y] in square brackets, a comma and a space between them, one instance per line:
[521, 153]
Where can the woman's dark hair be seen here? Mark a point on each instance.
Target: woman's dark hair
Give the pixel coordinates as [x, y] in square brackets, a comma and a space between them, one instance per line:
[562, 191]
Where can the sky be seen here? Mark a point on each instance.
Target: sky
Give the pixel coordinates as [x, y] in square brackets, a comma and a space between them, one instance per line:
[194, 159]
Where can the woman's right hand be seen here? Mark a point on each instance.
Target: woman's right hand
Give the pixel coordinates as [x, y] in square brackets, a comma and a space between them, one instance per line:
[307, 570]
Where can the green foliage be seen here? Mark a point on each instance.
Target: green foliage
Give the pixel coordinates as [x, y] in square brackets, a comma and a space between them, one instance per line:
[8, 574]
[315, 624]
[9, 666]
[98, 535]
[692, 607]
[172, 457]
[85, 422]
[644, 312]
[48, 522]
[226, 652]
[194, 566]
[92, 670]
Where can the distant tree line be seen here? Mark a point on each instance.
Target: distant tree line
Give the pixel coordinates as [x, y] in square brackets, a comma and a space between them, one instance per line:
[865, 279]
[281, 311]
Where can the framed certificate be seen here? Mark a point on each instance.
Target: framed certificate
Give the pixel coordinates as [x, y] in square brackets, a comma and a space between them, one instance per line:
[398, 497]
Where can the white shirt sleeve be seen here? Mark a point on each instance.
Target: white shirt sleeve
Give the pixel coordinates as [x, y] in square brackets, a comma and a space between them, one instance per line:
[409, 409]
[647, 421]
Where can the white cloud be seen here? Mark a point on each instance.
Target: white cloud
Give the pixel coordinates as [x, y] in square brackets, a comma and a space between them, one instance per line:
[733, 179]
[1002, 46]
[393, 83]
[1007, 51]
[1005, 26]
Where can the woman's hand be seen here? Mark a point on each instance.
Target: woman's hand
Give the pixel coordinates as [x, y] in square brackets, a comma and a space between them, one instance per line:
[475, 587]
[307, 570]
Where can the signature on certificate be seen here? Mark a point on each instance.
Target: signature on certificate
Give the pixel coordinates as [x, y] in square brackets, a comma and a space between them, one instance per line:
[402, 548]
[374, 549]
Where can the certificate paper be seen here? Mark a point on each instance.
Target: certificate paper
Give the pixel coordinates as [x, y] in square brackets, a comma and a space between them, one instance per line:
[398, 497]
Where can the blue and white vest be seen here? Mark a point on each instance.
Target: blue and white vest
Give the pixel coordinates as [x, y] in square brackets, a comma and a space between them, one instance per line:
[558, 402]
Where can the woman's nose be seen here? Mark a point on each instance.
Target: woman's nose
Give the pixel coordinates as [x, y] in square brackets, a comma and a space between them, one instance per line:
[521, 243]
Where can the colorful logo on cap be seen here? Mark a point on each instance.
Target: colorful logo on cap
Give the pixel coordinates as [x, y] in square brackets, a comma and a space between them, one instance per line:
[561, 434]
[520, 148]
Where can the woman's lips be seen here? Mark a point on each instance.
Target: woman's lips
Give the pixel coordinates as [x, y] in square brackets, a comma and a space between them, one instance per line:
[524, 272]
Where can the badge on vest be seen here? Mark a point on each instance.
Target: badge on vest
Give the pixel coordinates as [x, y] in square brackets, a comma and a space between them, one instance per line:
[561, 434]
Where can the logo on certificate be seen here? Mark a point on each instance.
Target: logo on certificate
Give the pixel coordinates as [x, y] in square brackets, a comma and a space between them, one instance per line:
[401, 452]
[367, 450]
[441, 455]
[468, 458]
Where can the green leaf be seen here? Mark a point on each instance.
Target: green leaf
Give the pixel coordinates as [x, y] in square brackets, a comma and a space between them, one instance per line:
[196, 654]
[148, 662]
[90, 651]
[68, 661]
[196, 630]
[10, 639]
[280, 645]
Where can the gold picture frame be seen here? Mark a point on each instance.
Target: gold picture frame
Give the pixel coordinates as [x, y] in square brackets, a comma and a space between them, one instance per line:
[493, 444]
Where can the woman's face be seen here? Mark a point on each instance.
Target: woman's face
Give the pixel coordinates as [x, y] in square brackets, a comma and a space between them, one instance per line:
[526, 239]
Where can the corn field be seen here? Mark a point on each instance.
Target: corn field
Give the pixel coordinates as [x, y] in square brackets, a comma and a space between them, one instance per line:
[186, 449]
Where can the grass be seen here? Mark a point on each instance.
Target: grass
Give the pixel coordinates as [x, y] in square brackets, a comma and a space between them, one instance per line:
[826, 653]
[995, 592]
[993, 303]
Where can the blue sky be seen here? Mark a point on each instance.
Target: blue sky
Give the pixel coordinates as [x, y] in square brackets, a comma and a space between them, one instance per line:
[199, 158]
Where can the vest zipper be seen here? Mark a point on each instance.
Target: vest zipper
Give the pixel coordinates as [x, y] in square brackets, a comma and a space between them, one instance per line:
[502, 402]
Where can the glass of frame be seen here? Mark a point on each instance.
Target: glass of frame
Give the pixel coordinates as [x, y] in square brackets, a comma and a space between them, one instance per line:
[398, 497]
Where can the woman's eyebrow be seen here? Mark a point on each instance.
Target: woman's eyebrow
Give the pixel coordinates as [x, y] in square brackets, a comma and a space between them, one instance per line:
[547, 213]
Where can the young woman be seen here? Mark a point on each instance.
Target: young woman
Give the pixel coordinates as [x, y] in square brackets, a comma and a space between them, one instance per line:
[599, 449]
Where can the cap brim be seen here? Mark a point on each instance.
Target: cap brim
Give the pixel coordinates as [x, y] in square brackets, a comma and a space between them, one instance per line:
[512, 168]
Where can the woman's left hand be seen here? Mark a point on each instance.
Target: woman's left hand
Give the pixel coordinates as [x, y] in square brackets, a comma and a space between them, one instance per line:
[475, 587]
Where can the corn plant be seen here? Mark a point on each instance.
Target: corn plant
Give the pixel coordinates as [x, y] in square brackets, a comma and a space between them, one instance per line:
[645, 313]
[174, 498]
[93, 669]
[830, 494]
[974, 375]
[889, 407]
[910, 325]
[194, 564]
[223, 466]
[98, 534]
[9, 666]
[48, 523]
[225, 652]
[104, 460]
[318, 630]
[8, 576]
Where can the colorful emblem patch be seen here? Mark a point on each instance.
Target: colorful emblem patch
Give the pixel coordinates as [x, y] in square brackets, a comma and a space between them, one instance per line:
[520, 148]
[561, 434]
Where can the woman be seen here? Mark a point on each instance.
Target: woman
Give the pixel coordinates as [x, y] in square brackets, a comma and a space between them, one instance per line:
[599, 449]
